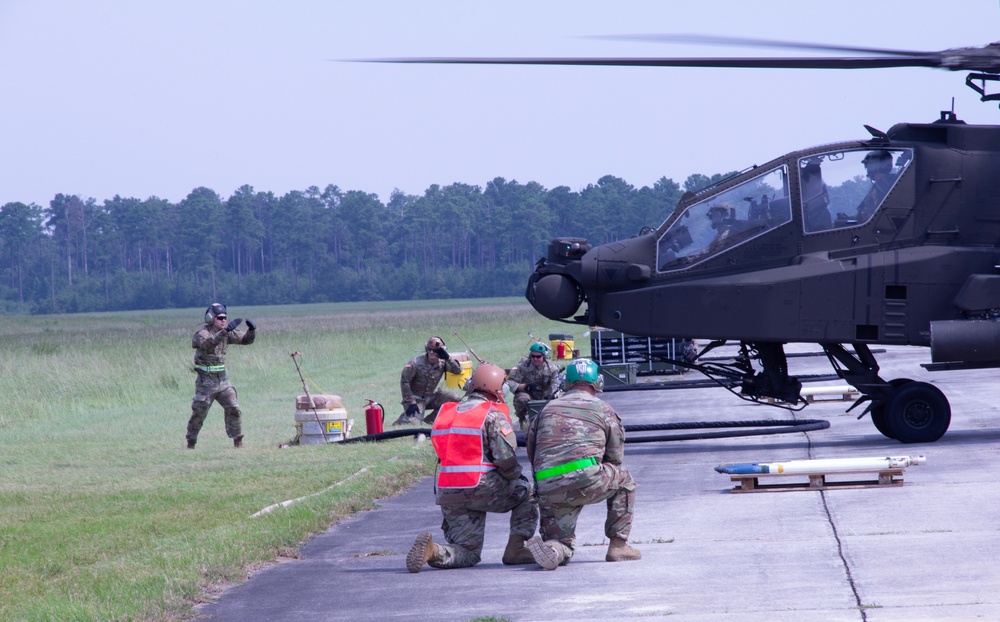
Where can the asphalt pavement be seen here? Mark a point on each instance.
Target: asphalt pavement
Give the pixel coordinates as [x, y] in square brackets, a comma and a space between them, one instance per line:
[923, 550]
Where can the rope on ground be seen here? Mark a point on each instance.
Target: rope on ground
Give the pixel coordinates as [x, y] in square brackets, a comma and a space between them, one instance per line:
[285, 504]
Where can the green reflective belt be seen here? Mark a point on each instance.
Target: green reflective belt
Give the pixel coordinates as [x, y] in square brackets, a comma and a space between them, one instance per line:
[562, 469]
[211, 369]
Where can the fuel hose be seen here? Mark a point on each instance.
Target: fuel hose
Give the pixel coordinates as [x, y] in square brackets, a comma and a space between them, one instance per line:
[695, 430]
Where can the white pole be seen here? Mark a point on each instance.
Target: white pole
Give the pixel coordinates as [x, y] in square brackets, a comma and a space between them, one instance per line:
[830, 465]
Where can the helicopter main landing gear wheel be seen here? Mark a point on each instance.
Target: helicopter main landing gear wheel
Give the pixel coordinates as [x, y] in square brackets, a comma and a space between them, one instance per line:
[878, 412]
[878, 418]
[916, 412]
[902, 409]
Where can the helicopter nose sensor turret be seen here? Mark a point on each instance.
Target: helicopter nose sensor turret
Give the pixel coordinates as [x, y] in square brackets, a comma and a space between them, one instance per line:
[554, 288]
[555, 296]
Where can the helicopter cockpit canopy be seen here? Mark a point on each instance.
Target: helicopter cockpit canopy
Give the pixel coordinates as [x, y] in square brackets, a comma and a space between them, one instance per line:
[842, 189]
[724, 220]
[838, 189]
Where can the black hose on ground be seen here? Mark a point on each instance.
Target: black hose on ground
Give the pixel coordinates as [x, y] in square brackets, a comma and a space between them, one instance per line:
[385, 436]
[769, 426]
[700, 383]
[766, 426]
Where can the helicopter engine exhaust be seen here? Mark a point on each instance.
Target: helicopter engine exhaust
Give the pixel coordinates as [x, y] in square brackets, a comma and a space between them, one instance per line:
[972, 341]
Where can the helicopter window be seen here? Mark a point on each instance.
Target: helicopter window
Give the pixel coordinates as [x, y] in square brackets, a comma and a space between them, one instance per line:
[725, 220]
[845, 188]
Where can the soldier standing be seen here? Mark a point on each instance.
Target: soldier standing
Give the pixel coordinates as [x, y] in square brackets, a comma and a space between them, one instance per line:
[477, 473]
[210, 344]
[576, 445]
[534, 378]
[419, 380]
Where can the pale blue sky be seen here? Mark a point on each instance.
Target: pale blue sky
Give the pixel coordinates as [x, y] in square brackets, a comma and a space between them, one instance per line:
[143, 98]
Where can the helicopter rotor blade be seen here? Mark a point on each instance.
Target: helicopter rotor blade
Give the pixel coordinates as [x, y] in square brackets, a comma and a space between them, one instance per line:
[751, 42]
[983, 59]
[815, 62]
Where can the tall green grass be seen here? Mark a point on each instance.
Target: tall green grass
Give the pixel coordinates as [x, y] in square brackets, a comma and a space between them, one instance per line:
[103, 513]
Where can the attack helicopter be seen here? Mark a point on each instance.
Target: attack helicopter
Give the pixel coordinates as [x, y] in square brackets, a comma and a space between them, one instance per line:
[890, 239]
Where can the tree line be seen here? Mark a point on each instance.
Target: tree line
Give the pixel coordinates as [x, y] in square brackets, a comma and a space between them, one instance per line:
[256, 248]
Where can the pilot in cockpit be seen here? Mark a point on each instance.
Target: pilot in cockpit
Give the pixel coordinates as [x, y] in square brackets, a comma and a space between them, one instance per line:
[815, 198]
[727, 227]
[878, 166]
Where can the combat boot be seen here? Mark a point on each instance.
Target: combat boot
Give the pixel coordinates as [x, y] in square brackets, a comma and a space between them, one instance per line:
[516, 553]
[620, 551]
[545, 554]
[424, 550]
[404, 419]
[191, 443]
[238, 441]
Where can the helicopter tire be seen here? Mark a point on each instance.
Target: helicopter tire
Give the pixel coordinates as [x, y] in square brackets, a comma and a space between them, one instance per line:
[918, 412]
[878, 412]
[881, 424]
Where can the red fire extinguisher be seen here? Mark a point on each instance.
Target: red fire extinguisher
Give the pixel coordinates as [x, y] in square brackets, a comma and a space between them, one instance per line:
[561, 350]
[374, 417]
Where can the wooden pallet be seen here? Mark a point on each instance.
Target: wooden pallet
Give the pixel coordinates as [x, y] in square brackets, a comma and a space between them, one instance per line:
[816, 481]
[843, 393]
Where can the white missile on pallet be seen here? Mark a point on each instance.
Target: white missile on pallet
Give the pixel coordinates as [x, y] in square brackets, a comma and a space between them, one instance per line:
[830, 465]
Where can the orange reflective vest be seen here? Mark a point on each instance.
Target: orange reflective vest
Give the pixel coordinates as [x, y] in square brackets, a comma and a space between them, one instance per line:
[458, 441]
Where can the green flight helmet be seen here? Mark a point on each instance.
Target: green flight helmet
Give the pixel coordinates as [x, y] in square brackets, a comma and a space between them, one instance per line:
[539, 348]
[584, 370]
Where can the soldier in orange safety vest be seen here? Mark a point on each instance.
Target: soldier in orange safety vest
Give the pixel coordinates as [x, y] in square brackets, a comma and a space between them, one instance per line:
[478, 472]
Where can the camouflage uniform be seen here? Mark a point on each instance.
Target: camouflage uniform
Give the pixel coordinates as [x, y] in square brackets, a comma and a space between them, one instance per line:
[574, 427]
[500, 490]
[418, 383]
[880, 188]
[212, 383]
[543, 377]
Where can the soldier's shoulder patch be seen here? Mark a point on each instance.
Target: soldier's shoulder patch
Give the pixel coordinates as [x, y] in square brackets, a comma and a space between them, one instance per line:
[506, 429]
[410, 364]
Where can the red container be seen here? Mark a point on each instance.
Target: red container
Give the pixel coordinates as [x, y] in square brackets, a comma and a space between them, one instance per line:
[374, 418]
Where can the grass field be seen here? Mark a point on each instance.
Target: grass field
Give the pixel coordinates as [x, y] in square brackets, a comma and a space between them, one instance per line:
[104, 515]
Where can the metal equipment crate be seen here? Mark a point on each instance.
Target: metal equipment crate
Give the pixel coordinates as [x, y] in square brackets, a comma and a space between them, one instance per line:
[610, 347]
[618, 374]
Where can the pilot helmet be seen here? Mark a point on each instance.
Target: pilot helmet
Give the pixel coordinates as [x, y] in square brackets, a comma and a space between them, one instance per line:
[811, 167]
[724, 209]
[878, 161]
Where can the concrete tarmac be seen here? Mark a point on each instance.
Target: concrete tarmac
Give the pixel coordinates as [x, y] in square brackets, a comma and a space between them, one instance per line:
[925, 550]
